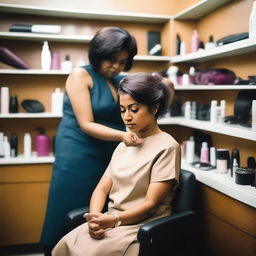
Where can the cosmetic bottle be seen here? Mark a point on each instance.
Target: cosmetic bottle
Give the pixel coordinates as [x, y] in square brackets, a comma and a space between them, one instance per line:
[42, 143]
[222, 156]
[193, 110]
[222, 110]
[252, 21]
[195, 41]
[187, 110]
[14, 106]
[213, 114]
[233, 168]
[45, 57]
[213, 156]
[204, 156]
[7, 148]
[251, 163]
[66, 65]
[210, 44]
[234, 155]
[254, 115]
[27, 145]
[172, 72]
[190, 150]
[14, 144]
[1, 144]
[178, 42]
[57, 101]
[5, 100]
[55, 63]
[182, 48]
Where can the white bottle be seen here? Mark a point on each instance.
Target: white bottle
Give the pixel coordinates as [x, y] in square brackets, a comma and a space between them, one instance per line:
[66, 65]
[212, 156]
[45, 57]
[185, 79]
[27, 145]
[213, 114]
[5, 100]
[254, 115]
[1, 144]
[195, 41]
[182, 48]
[57, 101]
[252, 21]
[190, 150]
[222, 110]
[187, 110]
[7, 148]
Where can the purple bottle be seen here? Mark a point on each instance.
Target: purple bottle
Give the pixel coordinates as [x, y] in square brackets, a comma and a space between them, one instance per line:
[42, 143]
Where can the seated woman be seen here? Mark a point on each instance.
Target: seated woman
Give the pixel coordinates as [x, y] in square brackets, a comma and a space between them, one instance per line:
[139, 181]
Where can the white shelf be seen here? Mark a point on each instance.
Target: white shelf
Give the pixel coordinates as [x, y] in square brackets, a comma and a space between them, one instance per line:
[49, 37]
[237, 48]
[30, 115]
[224, 184]
[31, 160]
[84, 14]
[214, 87]
[151, 58]
[226, 129]
[32, 72]
[200, 9]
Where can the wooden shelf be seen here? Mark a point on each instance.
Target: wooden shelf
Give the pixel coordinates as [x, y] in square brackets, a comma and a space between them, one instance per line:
[84, 14]
[48, 37]
[30, 160]
[214, 87]
[237, 48]
[226, 129]
[30, 115]
[225, 184]
[200, 9]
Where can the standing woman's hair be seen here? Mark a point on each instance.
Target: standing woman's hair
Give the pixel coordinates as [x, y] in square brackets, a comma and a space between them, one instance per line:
[149, 89]
[107, 42]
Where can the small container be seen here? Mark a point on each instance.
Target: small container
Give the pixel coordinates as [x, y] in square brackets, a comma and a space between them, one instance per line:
[204, 156]
[14, 105]
[14, 144]
[27, 145]
[222, 157]
[55, 64]
[66, 65]
[42, 143]
[213, 156]
[5, 100]
[244, 176]
[190, 150]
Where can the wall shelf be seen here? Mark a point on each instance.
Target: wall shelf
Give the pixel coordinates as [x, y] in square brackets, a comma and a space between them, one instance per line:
[151, 58]
[225, 184]
[83, 14]
[48, 37]
[200, 9]
[30, 115]
[214, 87]
[30, 160]
[239, 47]
[31, 72]
[226, 129]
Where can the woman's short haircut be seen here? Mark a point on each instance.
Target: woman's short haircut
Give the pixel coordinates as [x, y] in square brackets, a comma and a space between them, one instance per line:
[149, 89]
[107, 42]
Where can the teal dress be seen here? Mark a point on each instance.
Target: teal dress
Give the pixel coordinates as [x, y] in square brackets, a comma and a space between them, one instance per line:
[80, 160]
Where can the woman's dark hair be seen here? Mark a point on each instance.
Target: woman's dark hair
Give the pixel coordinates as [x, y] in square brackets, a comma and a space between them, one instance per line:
[148, 89]
[107, 42]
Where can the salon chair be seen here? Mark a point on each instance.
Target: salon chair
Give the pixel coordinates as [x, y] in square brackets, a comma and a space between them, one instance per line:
[171, 235]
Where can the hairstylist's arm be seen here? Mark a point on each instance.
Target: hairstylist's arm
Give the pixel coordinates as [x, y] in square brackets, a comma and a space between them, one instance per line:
[78, 87]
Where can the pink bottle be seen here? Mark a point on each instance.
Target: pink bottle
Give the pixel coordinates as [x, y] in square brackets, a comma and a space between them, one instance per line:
[195, 41]
[42, 143]
[204, 156]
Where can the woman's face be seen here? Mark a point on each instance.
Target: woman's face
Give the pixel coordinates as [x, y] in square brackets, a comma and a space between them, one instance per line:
[136, 116]
[112, 67]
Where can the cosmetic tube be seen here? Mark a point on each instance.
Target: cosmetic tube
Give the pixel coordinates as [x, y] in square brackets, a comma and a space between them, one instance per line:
[195, 41]
[233, 168]
[222, 156]
[222, 110]
[213, 110]
[213, 156]
[5, 100]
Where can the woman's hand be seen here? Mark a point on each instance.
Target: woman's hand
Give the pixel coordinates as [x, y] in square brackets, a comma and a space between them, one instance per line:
[99, 223]
[131, 139]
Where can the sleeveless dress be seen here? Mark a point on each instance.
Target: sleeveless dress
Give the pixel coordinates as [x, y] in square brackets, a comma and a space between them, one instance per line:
[80, 160]
[131, 169]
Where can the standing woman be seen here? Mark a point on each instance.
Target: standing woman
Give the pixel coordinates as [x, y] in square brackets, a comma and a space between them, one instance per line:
[90, 128]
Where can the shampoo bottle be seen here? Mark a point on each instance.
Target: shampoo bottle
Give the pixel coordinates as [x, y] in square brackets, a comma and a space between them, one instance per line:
[45, 57]
[27, 145]
[7, 149]
[190, 150]
[57, 101]
[5, 100]
[66, 65]
[252, 21]
[42, 143]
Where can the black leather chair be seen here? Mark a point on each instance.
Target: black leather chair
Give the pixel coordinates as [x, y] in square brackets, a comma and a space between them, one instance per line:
[171, 235]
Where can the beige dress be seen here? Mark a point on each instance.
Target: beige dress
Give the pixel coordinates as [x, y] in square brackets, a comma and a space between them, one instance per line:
[132, 169]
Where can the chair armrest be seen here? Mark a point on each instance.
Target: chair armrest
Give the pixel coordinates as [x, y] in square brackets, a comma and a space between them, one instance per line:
[168, 228]
[75, 218]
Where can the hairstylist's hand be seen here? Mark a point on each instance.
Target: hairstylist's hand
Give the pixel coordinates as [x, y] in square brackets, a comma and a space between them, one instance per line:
[131, 139]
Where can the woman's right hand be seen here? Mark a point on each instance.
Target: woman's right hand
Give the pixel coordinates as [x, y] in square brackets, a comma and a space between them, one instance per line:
[131, 139]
